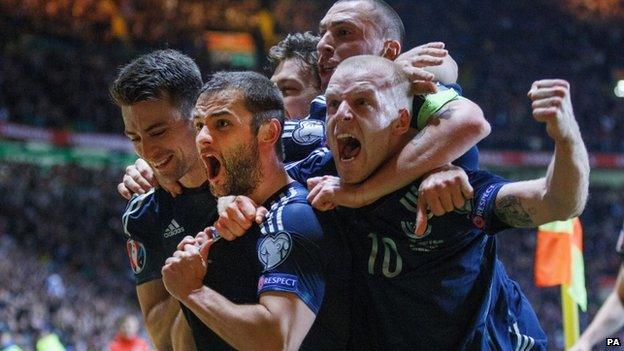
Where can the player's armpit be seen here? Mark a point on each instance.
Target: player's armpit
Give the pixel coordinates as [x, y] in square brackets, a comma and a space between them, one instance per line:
[159, 312]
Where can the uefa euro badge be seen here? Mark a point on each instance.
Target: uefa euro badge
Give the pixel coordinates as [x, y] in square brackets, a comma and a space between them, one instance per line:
[137, 256]
[274, 249]
[308, 132]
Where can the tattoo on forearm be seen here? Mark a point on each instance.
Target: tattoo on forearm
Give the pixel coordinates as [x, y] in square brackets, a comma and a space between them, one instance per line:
[510, 210]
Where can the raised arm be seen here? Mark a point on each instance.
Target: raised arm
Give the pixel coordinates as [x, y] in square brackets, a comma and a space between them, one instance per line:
[562, 193]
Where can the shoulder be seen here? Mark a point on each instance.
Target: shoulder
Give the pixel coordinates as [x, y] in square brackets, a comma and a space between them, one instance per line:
[141, 213]
[292, 213]
[319, 162]
[301, 137]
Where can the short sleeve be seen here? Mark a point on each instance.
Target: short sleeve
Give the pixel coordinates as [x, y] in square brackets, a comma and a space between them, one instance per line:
[486, 187]
[290, 255]
[145, 252]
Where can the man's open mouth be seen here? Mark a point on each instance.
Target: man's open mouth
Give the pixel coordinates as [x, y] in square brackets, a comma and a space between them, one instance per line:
[348, 146]
[213, 166]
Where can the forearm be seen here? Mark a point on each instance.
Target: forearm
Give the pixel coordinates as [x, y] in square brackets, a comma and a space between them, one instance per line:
[244, 327]
[608, 320]
[567, 179]
[462, 125]
[159, 321]
[181, 334]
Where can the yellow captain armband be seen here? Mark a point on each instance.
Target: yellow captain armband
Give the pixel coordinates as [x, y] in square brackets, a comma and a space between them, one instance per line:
[433, 103]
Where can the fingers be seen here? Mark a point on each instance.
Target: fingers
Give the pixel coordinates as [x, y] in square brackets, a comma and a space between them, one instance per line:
[228, 229]
[433, 200]
[312, 182]
[433, 44]
[418, 74]
[234, 213]
[261, 213]
[187, 240]
[205, 248]
[123, 191]
[549, 83]
[246, 206]
[420, 87]
[421, 217]
[427, 61]
[547, 92]
[134, 181]
[146, 171]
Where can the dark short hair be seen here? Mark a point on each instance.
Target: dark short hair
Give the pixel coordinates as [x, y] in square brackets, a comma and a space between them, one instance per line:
[260, 96]
[159, 75]
[301, 46]
[389, 19]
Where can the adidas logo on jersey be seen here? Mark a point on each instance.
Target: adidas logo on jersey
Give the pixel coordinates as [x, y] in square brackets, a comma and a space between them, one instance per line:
[173, 229]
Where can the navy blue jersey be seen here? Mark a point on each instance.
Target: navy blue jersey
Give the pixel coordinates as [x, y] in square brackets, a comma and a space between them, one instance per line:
[303, 255]
[155, 222]
[321, 162]
[302, 136]
[445, 290]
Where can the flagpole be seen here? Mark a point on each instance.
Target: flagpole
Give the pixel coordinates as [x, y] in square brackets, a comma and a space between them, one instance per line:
[570, 315]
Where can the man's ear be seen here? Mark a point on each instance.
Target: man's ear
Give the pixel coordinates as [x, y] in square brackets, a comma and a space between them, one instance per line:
[270, 132]
[402, 124]
[391, 50]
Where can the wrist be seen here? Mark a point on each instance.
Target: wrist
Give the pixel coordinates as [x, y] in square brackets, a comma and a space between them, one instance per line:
[192, 297]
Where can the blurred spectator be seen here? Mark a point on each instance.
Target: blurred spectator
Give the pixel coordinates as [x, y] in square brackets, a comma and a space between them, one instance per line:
[49, 341]
[127, 339]
[6, 342]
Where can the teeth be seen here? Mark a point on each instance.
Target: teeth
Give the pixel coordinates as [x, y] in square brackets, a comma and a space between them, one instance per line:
[161, 162]
[345, 136]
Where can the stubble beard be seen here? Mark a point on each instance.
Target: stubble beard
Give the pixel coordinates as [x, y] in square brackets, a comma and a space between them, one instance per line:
[242, 171]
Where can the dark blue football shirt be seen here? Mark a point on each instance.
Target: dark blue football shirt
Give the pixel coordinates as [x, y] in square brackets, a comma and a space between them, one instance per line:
[443, 291]
[288, 253]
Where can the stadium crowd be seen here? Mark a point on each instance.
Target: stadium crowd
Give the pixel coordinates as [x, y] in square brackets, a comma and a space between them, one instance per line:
[49, 44]
[58, 57]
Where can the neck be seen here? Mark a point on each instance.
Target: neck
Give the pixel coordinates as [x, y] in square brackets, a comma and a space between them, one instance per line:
[195, 177]
[274, 177]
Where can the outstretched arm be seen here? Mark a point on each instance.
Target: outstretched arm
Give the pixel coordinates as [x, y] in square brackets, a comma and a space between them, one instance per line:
[562, 193]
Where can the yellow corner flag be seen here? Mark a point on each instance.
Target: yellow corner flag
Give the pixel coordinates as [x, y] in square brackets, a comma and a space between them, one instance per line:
[559, 261]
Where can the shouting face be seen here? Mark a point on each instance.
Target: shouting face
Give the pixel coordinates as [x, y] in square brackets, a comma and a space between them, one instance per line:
[226, 143]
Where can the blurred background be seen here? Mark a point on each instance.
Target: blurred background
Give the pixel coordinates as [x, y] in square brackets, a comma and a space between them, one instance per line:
[63, 269]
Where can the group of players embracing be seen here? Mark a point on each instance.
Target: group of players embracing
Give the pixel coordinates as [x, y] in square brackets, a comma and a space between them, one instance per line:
[262, 216]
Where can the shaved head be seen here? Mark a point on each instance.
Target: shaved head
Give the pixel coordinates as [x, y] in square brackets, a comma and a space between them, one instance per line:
[388, 73]
[388, 19]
